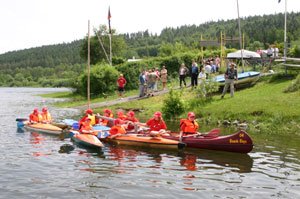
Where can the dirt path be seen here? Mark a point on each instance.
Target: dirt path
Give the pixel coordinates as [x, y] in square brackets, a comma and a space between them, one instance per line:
[118, 101]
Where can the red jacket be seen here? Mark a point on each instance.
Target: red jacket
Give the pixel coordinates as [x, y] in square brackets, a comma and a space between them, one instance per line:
[121, 82]
[156, 125]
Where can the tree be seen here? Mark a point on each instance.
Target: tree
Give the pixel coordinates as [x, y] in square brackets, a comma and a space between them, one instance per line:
[97, 53]
[102, 80]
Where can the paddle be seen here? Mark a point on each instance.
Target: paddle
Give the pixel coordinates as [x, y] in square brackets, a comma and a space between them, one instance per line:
[21, 119]
[212, 133]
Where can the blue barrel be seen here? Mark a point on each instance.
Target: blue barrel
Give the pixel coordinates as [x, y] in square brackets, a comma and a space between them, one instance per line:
[75, 126]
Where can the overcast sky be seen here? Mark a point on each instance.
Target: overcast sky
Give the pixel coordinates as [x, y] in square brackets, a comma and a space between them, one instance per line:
[32, 23]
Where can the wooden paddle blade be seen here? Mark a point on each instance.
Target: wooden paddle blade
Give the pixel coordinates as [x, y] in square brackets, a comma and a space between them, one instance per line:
[213, 133]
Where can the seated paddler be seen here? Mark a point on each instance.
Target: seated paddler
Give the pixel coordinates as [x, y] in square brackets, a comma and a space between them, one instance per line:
[188, 126]
[87, 127]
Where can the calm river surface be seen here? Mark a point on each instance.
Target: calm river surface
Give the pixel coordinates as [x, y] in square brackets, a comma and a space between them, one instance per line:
[35, 165]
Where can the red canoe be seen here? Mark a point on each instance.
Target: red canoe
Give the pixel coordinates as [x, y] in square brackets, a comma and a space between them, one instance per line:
[239, 142]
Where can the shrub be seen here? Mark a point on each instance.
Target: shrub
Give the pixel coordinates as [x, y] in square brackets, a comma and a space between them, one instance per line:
[173, 105]
[204, 93]
[102, 81]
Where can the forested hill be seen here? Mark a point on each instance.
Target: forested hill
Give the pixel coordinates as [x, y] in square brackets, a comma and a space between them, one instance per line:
[267, 29]
[44, 56]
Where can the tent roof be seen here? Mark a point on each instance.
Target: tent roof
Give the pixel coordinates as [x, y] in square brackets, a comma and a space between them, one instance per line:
[246, 54]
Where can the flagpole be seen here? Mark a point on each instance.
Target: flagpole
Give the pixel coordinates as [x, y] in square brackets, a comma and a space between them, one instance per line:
[88, 67]
[110, 50]
[240, 34]
[110, 36]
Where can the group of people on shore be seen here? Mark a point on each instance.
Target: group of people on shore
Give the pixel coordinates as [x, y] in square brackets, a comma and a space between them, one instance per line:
[149, 79]
[208, 67]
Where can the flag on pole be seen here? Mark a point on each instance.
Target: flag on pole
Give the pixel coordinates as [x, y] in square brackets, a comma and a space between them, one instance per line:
[108, 17]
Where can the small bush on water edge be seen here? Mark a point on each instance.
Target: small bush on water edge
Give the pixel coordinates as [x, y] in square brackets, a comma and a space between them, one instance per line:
[173, 105]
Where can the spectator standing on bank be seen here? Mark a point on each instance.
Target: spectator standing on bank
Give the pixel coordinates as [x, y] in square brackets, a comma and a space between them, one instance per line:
[142, 84]
[230, 76]
[207, 69]
[157, 74]
[218, 63]
[194, 76]
[164, 76]
[121, 85]
[183, 71]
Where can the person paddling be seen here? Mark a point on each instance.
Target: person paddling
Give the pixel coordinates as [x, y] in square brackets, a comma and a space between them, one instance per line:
[118, 129]
[188, 126]
[156, 124]
[108, 114]
[46, 116]
[35, 116]
[130, 120]
[88, 114]
[121, 115]
[87, 127]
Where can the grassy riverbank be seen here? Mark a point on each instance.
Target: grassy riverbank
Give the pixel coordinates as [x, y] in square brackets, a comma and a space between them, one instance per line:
[264, 107]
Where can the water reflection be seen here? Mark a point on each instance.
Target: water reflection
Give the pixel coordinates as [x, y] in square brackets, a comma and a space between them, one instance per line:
[36, 138]
[191, 160]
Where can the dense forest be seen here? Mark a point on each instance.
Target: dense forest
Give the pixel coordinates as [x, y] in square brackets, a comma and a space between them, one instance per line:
[57, 65]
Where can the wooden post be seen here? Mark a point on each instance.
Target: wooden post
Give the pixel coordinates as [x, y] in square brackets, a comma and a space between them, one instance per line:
[201, 50]
[88, 67]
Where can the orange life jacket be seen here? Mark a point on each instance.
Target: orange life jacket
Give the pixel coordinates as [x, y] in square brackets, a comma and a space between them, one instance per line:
[188, 126]
[117, 130]
[46, 117]
[85, 127]
[35, 118]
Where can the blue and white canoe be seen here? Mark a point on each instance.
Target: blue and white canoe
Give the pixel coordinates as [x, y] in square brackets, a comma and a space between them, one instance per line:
[245, 78]
[103, 131]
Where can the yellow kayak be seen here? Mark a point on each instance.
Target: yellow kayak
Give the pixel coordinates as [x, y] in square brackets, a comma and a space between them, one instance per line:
[43, 128]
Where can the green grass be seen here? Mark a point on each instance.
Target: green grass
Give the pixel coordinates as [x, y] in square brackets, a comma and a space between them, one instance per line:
[265, 107]
[66, 94]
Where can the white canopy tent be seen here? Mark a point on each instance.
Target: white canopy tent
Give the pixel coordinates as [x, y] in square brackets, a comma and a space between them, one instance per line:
[246, 55]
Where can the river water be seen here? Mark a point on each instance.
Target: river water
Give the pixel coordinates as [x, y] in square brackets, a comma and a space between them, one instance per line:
[36, 165]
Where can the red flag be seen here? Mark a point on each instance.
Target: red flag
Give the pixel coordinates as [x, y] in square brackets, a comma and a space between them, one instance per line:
[108, 17]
